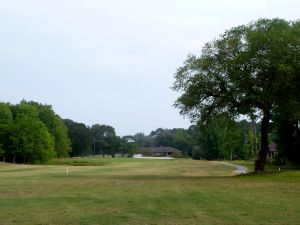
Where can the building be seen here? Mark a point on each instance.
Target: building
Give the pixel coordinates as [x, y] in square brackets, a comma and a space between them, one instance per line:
[272, 150]
[165, 151]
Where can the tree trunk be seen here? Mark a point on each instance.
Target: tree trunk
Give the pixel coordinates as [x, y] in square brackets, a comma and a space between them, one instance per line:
[254, 136]
[264, 148]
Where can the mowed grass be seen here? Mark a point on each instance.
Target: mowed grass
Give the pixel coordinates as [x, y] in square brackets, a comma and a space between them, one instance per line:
[143, 191]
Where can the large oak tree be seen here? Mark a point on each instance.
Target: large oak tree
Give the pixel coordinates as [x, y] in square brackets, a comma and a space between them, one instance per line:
[250, 69]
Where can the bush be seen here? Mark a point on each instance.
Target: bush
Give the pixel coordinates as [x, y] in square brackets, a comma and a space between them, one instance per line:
[196, 153]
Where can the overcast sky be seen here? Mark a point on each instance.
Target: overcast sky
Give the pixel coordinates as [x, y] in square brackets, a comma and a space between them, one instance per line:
[112, 62]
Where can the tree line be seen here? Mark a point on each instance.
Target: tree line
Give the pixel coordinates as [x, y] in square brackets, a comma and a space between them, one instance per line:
[31, 132]
[218, 140]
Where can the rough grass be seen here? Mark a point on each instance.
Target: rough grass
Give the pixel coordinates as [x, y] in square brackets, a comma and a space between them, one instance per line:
[139, 191]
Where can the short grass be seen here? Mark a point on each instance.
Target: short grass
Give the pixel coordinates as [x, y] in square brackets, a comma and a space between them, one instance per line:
[141, 191]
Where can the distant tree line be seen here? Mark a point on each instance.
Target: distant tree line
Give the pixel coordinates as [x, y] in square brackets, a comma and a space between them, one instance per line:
[95, 140]
[223, 138]
[218, 140]
[31, 132]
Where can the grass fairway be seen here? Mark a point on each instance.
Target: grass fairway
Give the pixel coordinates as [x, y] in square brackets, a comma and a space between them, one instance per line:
[139, 191]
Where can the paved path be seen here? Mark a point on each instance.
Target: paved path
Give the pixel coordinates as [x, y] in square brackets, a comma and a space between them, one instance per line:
[239, 169]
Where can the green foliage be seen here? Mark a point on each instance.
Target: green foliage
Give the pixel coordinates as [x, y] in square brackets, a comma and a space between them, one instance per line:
[197, 153]
[31, 132]
[105, 139]
[31, 141]
[95, 140]
[222, 139]
[177, 138]
[129, 145]
[288, 140]
[5, 114]
[249, 69]
[144, 151]
[209, 141]
[81, 138]
[143, 140]
[56, 128]
[6, 123]
[182, 140]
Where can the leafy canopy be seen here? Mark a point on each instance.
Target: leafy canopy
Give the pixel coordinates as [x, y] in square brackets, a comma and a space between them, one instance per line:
[248, 69]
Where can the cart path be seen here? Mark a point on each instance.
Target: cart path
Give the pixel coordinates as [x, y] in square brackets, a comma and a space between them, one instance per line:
[239, 169]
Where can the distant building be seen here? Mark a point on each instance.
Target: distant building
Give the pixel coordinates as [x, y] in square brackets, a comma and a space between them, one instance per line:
[165, 151]
[272, 150]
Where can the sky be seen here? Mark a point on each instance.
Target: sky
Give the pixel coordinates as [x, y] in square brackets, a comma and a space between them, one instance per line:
[113, 62]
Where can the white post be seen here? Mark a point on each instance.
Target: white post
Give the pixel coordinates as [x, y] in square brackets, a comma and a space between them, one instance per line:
[67, 170]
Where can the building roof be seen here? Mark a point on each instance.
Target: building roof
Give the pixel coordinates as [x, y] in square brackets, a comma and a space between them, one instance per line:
[164, 150]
